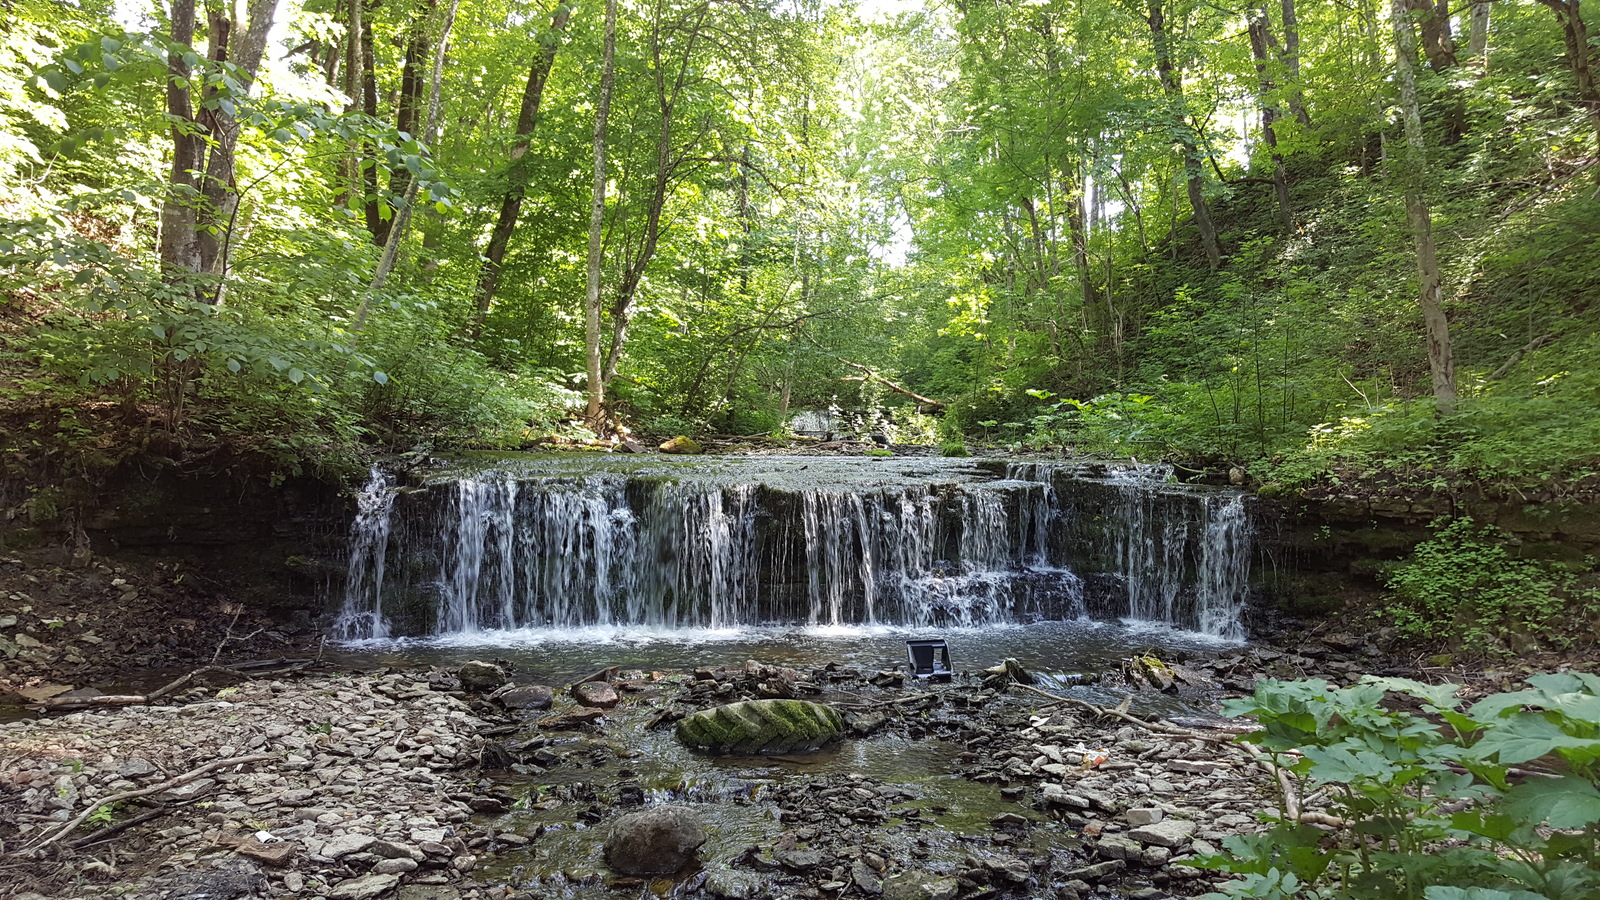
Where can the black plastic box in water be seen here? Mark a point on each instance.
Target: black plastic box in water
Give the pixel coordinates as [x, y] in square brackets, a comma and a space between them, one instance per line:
[929, 659]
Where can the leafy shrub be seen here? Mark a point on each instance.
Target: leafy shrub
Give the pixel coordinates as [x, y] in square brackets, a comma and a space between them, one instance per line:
[1424, 806]
[953, 449]
[1465, 587]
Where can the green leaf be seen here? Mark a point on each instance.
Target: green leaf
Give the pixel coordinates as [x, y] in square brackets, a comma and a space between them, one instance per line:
[1561, 802]
[296, 375]
[1440, 892]
[1528, 736]
[278, 362]
[159, 331]
[234, 366]
[380, 377]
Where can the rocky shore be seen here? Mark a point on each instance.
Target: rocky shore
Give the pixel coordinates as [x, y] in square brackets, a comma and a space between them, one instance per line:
[463, 784]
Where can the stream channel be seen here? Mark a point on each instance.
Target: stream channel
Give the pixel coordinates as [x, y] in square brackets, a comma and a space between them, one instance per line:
[561, 564]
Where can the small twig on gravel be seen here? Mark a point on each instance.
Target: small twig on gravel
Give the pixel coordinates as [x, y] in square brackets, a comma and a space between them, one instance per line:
[169, 784]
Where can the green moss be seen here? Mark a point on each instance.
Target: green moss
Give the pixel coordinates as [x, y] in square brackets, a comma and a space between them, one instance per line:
[761, 726]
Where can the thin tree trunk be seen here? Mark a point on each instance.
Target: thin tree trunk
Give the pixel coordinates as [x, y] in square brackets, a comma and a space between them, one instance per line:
[376, 224]
[633, 272]
[1269, 115]
[597, 213]
[1478, 34]
[1580, 59]
[1291, 61]
[1414, 172]
[180, 252]
[518, 175]
[430, 130]
[1172, 86]
[1432, 18]
[220, 189]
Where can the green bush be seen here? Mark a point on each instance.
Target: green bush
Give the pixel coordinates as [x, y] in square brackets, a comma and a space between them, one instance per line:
[953, 449]
[1465, 587]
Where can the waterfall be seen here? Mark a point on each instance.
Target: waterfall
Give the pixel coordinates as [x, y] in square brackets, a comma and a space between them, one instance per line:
[783, 540]
[362, 616]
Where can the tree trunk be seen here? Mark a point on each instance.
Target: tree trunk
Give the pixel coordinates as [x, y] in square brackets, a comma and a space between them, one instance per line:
[1291, 62]
[376, 224]
[1580, 59]
[1269, 115]
[518, 175]
[197, 216]
[180, 252]
[597, 213]
[665, 166]
[220, 190]
[1414, 171]
[1172, 87]
[1432, 18]
[1478, 35]
[430, 129]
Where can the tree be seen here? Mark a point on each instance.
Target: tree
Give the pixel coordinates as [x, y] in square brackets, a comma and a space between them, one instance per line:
[1413, 172]
[198, 211]
[1171, 77]
[1580, 60]
[596, 385]
[520, 172]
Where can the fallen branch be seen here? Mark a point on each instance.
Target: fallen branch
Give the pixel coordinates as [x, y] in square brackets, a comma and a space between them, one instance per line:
[167, 785]
[1124, 715]
[111, 831]
[1519, 353]
[870, 374]
[57, 704]
[183, 682]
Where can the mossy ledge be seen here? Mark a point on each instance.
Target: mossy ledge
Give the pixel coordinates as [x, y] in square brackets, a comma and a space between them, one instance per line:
[762, 726]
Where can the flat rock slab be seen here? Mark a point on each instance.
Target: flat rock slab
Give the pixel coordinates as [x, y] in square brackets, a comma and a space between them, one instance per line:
[762, 726]
[1170, 833]
[367, 887]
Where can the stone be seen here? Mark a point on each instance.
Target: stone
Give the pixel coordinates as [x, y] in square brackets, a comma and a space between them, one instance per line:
[1171, 833]
[346, 844]
[481, 677]
[294, 882]
[865, 877]
[396, 866]
[682, 444]
[1143, 816]
[655, 841]
[428, 892]
[1056, 795]
[524, 696]
[596, 694]
[799, 860]
[920, 886]
[727, 884]
[137, 767]
[1098, 871]
[761, 726]
[394, 850]
[367, 887]
[466, 862]
[277, 853]
[1116, 846]
[1009, 868]
[1155, 857]
[189, 791]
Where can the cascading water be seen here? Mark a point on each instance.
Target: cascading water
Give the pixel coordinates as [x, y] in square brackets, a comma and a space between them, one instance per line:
[677, 544]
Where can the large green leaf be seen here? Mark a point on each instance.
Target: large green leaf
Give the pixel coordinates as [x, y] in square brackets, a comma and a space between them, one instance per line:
[1560, 802]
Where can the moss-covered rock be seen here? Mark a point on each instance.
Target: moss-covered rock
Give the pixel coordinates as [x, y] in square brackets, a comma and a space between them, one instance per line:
[762, 726]
[683, 445]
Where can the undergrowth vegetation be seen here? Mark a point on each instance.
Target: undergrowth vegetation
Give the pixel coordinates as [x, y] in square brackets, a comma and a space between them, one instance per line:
[1492, 800]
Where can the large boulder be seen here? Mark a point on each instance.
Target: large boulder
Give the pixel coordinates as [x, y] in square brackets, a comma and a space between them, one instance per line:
[597, 694]
[655, 841]
[524, 696]
[762, 726]
[481, 677]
